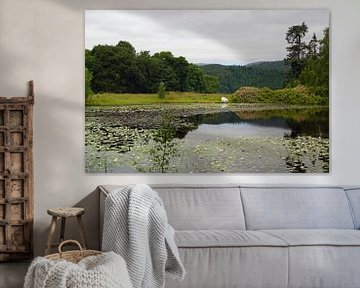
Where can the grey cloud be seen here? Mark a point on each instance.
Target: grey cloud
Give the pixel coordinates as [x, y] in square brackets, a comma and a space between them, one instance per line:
[229, 36]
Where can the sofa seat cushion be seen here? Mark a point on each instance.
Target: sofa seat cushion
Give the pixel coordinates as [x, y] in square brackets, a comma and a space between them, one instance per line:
[225, 238]
[317, 237]
[233, 267]
[323, 258]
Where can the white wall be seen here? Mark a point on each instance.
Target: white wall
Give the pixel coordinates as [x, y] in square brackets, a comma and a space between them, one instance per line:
[43, 40]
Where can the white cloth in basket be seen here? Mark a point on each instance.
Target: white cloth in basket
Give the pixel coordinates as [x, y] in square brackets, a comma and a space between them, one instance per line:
[107, 270]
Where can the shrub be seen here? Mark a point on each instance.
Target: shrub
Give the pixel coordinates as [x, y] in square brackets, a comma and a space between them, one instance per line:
[297, 95]
[246, 95]
[291, 96]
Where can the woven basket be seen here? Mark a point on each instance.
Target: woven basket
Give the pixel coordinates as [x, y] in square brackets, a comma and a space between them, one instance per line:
[72, 256]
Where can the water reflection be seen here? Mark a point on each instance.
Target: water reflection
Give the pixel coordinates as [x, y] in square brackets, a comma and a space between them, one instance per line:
[280, 122]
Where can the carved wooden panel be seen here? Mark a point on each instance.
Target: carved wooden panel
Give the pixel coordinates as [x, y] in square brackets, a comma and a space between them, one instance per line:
[16, 177]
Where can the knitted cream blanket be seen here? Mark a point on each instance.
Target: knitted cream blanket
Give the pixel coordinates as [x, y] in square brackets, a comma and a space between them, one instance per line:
[103, 271]
[136, 227]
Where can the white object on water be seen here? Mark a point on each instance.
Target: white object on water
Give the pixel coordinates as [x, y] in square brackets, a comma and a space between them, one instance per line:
[224, 99]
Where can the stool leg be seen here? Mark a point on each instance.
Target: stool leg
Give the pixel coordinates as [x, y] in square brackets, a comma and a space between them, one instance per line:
[51, 235]
[82, 232]
[62, 231]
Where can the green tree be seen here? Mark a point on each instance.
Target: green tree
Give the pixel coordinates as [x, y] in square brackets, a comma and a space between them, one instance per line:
[297, 49]
[114, 68]
[315, 74]
[180, 65]
[168, 74]
[162, 90]
[195, 79]
[150, 72]
[88, 78]
[312, 47]
[165, 146]
[89, 59]
[212, 84]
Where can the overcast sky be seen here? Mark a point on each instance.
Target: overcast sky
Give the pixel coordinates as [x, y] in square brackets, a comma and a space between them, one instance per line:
[203, 36]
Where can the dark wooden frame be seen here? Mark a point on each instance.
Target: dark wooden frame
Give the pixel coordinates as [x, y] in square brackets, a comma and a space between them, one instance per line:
[16, 177]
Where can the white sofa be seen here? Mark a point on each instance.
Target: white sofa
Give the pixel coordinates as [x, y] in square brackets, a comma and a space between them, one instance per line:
[264, 237]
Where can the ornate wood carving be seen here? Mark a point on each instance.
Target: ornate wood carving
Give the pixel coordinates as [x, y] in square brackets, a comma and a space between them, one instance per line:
[16, 177]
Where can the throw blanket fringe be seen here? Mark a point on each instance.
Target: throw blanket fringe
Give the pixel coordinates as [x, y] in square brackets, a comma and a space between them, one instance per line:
[136, 227]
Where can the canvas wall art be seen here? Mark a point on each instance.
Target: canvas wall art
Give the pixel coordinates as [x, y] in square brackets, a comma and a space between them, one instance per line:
[207, 91]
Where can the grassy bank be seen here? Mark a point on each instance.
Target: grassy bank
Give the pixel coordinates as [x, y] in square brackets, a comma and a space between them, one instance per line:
[110, 99]
[299, 95]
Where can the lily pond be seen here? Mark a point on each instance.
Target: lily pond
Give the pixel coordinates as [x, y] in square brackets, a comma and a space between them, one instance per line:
[206, 138]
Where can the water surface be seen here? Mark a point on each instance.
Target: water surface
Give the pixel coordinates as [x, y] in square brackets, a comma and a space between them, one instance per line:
[210, 139]
[268, 123]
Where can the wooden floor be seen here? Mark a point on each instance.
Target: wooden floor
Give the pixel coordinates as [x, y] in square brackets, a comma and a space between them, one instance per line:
[12, 274]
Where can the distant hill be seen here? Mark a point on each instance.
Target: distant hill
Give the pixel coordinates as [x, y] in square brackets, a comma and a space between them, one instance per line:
[271, 65]
[259, 74]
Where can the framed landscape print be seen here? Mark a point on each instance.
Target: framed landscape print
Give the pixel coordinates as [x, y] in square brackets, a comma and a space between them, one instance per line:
[207, 91]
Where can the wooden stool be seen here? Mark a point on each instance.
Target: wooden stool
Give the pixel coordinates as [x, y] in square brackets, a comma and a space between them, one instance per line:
[64, 213]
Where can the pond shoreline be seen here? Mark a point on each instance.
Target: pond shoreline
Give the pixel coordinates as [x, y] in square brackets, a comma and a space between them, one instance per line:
[149, 116]
[118, 140]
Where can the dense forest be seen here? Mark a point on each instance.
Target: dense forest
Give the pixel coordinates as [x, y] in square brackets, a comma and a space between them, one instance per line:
[121, 69]
[260, 74]
[269, 65]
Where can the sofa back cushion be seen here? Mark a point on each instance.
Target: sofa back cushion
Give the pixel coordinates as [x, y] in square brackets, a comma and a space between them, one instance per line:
[354, 198]
[203, 208]
[296, 208]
